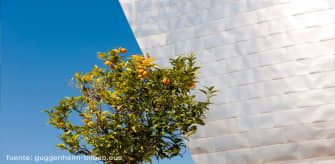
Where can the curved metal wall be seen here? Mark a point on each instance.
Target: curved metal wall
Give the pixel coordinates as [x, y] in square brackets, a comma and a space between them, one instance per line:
[273, 62]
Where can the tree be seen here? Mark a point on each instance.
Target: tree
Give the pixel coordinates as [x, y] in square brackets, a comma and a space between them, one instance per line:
[132, 110]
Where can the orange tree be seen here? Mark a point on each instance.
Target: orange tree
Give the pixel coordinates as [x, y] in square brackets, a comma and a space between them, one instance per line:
[132, 111]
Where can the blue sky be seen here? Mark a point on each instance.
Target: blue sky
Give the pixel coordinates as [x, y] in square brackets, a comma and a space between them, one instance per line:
[43, 43]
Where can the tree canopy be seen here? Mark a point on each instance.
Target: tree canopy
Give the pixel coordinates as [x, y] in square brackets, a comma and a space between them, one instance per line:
[133, 110]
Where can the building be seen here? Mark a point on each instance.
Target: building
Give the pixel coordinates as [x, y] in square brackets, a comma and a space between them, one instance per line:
[274, 64]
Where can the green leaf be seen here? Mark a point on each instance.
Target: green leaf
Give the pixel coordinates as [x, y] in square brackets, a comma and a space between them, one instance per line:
[102, 55]
[133, 128]
[46, 111]
[61, 146]
[75, 137]
[203, 91]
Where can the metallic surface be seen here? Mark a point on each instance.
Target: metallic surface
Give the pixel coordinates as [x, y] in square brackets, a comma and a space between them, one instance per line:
[273, 62]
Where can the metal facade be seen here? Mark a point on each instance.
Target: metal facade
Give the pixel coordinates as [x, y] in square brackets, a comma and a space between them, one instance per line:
[273, 62]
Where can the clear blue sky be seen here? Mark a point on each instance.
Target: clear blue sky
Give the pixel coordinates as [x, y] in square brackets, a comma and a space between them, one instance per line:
[43, 43]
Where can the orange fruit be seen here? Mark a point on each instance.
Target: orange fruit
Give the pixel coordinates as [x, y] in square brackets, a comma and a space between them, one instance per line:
[140, 76]
[112, 67]
[141, 71]
[146, 61]
[123, 50]
[191, 86]
[157, 109]
[145, 73]
[107, 63]
[166, 81]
